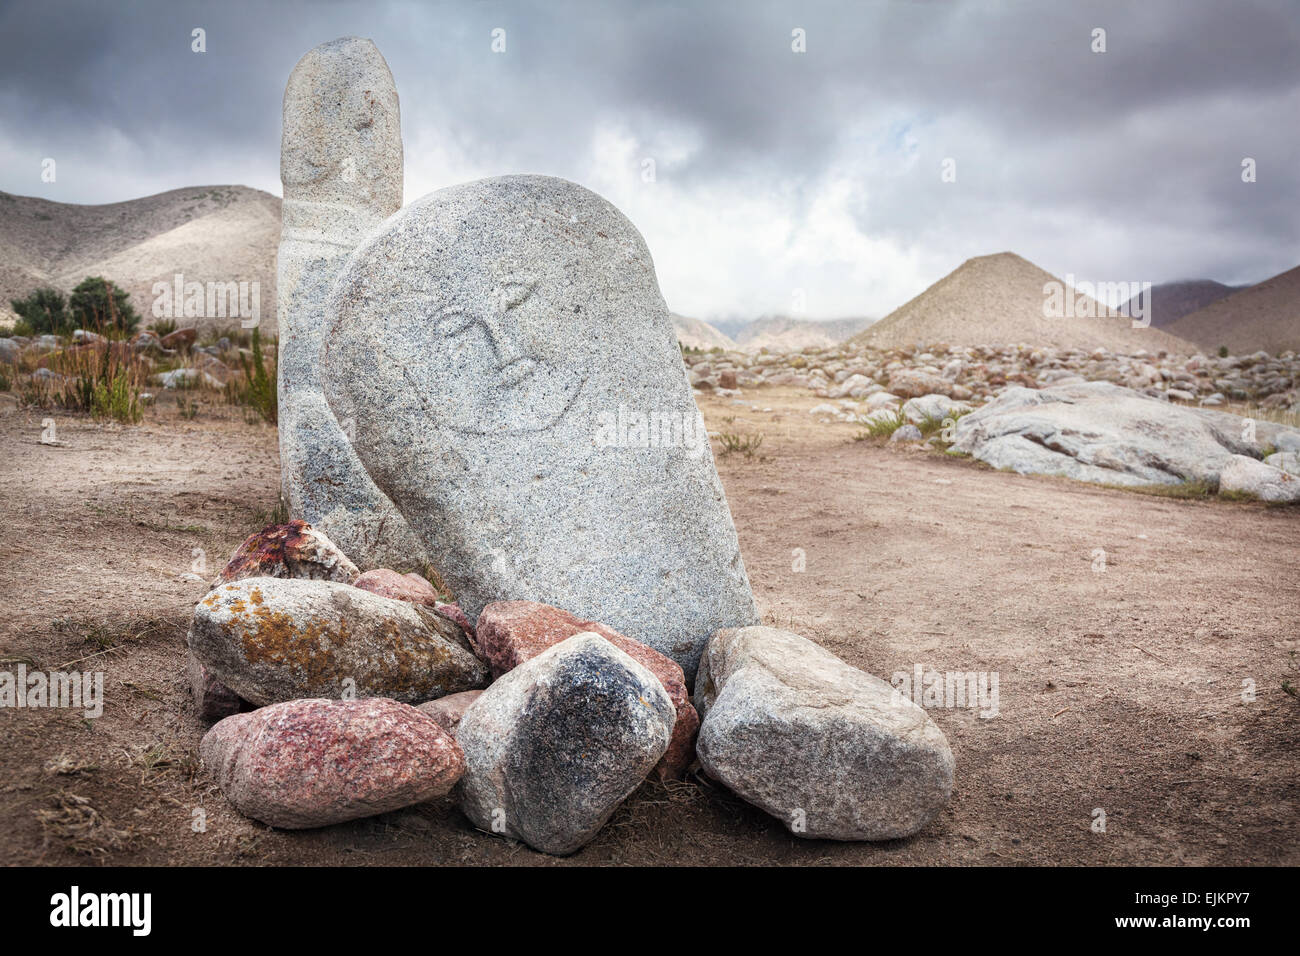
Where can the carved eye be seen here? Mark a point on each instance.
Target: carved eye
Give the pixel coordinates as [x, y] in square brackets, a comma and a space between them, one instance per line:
[513, 293]
[451, 320]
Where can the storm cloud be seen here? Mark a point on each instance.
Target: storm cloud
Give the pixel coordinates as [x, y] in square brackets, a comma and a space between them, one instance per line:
[778, 176]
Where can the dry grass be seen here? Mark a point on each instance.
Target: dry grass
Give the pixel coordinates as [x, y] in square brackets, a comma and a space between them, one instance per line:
[76, 823]
[734, 442]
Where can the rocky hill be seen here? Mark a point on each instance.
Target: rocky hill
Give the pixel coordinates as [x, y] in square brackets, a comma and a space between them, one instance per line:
[1004, 299]
[1263, 317]
[216, 234]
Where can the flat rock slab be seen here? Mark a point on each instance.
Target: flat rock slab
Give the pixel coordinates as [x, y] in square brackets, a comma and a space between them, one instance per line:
[1103, 433]
[518, 392]
[276, 639]
[557, 744]
[311, 763]
[831, 752]
[511, 632]
[291, 550]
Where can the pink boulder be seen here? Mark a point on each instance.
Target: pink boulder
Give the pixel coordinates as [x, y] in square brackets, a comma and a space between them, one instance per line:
[400, 587]
[310, 763]
[415, 589]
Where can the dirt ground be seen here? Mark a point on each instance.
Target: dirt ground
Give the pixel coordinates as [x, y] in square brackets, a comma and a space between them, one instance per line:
[1119, 691]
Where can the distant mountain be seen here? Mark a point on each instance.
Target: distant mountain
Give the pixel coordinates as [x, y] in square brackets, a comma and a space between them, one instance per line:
[1003, 299]
[786, 333]
[1260, 317]
[781, 332]
[1167, 302]
[216, 234]
[698, 334]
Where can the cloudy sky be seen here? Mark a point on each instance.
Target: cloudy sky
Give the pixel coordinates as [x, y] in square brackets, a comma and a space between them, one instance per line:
[775, 171]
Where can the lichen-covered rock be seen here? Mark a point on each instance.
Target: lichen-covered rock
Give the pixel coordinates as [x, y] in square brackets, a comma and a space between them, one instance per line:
[830, 751]
[511, 632]
[291, 550]
[277, 639]
[449, 710]
[557, 744]
[310, 763]
[509, 363]
[213, 699]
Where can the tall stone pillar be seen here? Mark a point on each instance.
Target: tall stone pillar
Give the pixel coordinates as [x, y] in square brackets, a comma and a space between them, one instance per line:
[341, 168]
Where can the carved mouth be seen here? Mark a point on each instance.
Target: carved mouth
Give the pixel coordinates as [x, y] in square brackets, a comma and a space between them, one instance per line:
[516, 372]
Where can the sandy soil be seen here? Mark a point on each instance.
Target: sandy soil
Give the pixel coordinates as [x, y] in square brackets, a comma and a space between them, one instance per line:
[1119, 690]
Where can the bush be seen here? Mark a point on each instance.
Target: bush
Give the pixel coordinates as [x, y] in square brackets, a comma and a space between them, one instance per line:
[113, 397]
[44, 312]
[259, 388]
[104, 307]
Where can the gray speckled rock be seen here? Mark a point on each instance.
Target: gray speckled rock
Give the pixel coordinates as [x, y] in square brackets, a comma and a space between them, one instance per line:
[1264, 481]
[310, 763]
[341, 167]
[1102, 433]
[277, 639]
[494, 342]
[1288, 461]
[554, 746]
[830, 751]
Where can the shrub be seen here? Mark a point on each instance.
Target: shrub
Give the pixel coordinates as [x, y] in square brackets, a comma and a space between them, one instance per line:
[883, 426]
[259, 389]
[44, 312]
[104, 307]
[113, 397]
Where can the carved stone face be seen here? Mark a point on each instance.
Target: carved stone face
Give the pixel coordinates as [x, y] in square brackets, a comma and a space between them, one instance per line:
[477, 339]
[496, 314]
[496, 333]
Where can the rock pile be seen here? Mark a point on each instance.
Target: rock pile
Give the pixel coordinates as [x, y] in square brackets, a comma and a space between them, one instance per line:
[544, 722]
[979, 374]
[1097, 432]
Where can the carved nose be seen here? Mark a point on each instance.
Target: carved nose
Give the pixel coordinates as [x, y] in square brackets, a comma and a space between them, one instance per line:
[504, 346]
